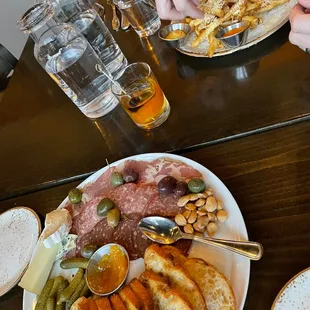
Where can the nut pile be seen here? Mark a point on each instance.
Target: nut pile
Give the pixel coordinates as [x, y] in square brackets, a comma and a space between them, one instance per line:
[201, 214]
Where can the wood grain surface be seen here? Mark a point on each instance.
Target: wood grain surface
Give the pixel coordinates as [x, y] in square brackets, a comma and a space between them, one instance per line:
[44, 137]
[268, 174]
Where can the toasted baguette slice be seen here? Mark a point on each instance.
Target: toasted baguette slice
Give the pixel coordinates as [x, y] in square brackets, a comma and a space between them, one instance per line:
[129, 298]
[117, 303]
[103, 304]
[80, 304]
[214, 286]
[159, 261]
[177, 255]
[143, 294]
[163, 297]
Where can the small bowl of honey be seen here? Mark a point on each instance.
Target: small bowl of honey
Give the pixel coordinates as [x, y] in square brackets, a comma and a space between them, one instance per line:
[174, 34]
[107, 269]
[234, 35]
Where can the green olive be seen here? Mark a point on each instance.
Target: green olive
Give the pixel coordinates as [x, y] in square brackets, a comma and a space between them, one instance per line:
[88, 250]
[75, 195]
[116, 179]
[113, 217]
[196, 185]
[104, 206]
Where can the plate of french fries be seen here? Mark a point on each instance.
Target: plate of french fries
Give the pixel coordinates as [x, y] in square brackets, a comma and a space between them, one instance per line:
[265, 17]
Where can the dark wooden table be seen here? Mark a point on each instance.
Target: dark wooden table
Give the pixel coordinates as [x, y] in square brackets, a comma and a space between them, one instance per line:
[246, 117]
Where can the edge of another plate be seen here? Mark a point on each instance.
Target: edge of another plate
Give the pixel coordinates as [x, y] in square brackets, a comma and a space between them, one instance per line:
[38, 235]
[286, 286]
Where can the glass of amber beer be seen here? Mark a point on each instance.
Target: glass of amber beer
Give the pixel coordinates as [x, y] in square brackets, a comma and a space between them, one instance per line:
[141, 96]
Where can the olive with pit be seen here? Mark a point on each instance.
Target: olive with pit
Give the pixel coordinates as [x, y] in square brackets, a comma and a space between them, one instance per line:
[114, 217]
[104, 206]
[166, 185]
[130, 175]
[116, 179]
[88, 250]
[196, 185]
[75, 196]
[180, 188]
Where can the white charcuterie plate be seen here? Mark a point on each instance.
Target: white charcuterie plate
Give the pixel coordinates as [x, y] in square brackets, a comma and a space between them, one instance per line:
[295, 294]
[272, 21]
[233, 266]
[20, 229]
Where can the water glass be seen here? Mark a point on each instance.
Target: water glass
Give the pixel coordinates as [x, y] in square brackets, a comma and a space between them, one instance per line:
[72, 63]
[142, 15]
[141, 96]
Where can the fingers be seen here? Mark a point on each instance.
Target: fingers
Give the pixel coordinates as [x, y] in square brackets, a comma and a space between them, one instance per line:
[302, 40]
[305, 3]
[188, 8]
[167, 11]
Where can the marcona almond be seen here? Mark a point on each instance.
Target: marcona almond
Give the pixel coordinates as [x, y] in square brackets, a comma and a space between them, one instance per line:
[209, 193]
[190, 206]
[200, 202]
[212, 217]
[180, 220]
[183, 201]
[211, 204]
[212, 229]
[193, 217]
[200, 234]
[222, 215]
[202, 212]
[198, 228]
[203, 221]
[202, 195]
[187, 213]
[188, 228]
[192, 197]
[220, 205]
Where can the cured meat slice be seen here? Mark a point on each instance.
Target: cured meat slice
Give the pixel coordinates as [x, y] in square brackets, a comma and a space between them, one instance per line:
[100, 235]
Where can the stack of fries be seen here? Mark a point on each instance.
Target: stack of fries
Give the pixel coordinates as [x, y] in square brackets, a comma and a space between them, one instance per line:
[218, 12]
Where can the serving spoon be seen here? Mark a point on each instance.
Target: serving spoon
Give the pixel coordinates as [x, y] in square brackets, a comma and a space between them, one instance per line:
[165, 231]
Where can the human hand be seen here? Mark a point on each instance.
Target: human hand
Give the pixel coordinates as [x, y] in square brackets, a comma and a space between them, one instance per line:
[178, 9]
[300, 24]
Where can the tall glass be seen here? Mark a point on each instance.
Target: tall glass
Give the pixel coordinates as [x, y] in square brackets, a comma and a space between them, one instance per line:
[73, 64]
[142, 15]
[85, 18]
[141, 96]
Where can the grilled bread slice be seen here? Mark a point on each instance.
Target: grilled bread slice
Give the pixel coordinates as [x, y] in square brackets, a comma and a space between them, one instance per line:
[103, 304]
[164, 297]
[129, 298]
[143, 294]
[214, 286]
[159, 261]
[177, 255]
[117, 303]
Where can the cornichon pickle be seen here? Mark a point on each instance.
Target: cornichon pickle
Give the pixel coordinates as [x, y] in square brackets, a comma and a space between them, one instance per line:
[56, 284]
[50, 304]
[74, 262]
[88, 250]
[76, 294]
[84, 290]
[61, 287]
[68, 291]
[42, 299]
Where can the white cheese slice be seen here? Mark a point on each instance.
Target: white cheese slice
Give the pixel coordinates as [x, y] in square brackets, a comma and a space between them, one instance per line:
[39, 269]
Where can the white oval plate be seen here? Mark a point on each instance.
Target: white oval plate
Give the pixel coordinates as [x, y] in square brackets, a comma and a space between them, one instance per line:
[273, 21]
[233, 266]
[295, 294]
[20, 229]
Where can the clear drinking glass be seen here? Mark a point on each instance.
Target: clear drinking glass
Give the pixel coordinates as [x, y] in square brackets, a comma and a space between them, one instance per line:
[72, 63]
[142, 15]
[85, 18]
[141, 96]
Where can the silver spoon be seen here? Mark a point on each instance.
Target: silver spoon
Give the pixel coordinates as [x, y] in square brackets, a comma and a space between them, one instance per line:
[115, 19]
[165, 231]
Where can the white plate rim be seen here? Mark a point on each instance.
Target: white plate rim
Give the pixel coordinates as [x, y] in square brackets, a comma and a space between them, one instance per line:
[283, 289]
[28, 297]
[35, 215]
